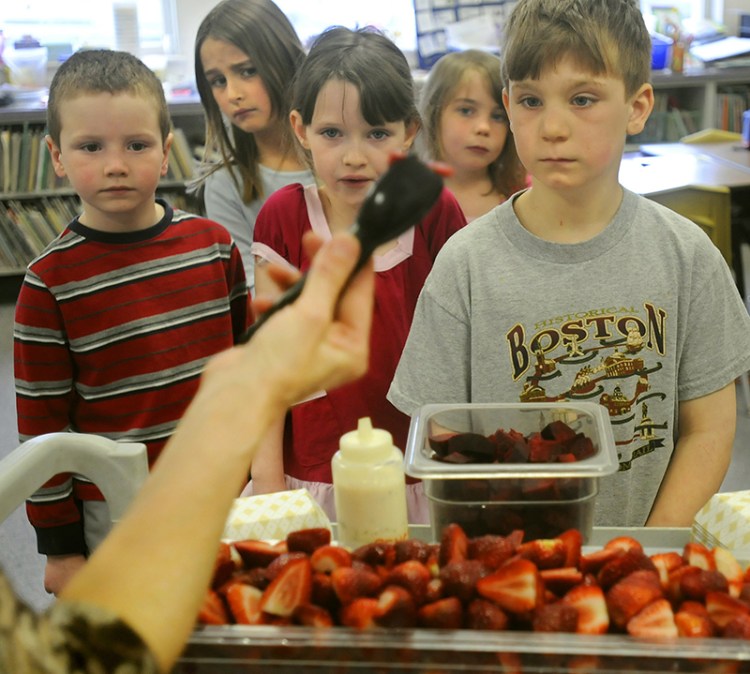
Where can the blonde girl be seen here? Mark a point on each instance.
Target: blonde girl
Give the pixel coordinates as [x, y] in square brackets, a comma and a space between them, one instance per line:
[465, 126]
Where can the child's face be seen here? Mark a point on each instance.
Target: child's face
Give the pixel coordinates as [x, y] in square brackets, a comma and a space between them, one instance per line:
[237, 87]
[348, 153]
[569, 126]
[112, 152]
[473, 126]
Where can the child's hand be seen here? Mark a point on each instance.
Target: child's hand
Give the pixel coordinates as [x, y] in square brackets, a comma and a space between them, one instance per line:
[59, 570]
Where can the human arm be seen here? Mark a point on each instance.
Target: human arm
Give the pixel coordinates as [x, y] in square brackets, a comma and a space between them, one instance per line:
[319, 341]
[267, 469]
[700, 458]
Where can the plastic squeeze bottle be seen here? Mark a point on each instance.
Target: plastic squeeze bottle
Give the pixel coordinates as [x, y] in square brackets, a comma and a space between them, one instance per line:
[368, 487]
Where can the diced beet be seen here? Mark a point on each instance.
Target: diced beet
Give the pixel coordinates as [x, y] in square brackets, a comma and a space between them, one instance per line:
[581, 447]
[439, 443]
[457, 457]
[474, 445]
[543, 451]
[558, 430]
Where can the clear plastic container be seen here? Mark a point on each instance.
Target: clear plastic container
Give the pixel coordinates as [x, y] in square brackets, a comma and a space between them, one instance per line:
[27, 66]
[543, 499]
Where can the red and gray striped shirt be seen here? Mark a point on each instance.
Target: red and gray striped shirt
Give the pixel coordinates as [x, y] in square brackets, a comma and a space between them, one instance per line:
[112, 331]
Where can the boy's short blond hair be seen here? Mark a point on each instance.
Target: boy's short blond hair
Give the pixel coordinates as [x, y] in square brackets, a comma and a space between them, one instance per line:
[92, 71]
[604, 36]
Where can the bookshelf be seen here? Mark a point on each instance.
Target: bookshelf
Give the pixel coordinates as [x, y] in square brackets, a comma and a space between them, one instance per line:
[696, 99]
[35, 205]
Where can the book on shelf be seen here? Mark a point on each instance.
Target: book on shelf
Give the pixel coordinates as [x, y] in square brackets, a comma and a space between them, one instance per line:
[182, 155]
[5, 173]
[18, 243]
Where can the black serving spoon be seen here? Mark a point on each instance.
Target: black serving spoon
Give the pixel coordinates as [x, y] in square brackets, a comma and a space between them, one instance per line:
[404, 194]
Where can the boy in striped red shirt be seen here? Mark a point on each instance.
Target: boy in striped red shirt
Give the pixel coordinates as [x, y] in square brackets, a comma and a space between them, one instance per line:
[118, 315]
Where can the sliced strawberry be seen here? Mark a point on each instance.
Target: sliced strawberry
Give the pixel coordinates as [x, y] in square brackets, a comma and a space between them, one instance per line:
[379, 553]
[697, 554]
[692, 625]
[256, 553]
[244, 603]
[633, 559]
[224, 566]
[278, 564]
[445, 613]
[491, 550]
[516, 586]
[624, 543]
[361, 613]
[722, 608]
[482, 614]
[212, 610]
[546, 553]
[311, 615]
[256, 577]
[516, 538]
[696, 585]
[589, 601]
[654, 621]
[630, 595]
[434, 590]
[559, 581]
[738, 627]
[326, 558]
[695, 607]
[412, 575]
[572, 542]
[459, 579]
[665, 563]
[350, 583]
[584, 664]
[413, 549]
[727, 564]
[675, 580]
[593, 561]
[558, 617]
[397, 607]
[308, 540]
[289, 589]
[454, 545]
[323, 593]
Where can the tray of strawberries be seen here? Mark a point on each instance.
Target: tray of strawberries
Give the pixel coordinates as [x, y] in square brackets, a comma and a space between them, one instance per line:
[495, 603]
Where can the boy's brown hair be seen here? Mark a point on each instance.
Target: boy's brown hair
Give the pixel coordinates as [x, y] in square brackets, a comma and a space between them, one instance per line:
[604, 36]
[92, 71]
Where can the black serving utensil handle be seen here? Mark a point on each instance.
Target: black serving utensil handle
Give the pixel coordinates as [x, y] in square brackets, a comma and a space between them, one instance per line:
[401, 198]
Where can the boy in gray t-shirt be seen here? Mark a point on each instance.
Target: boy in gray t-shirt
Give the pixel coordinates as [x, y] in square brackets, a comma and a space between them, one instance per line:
[576, 289]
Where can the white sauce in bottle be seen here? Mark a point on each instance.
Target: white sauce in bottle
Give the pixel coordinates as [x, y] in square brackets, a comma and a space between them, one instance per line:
[369, 487]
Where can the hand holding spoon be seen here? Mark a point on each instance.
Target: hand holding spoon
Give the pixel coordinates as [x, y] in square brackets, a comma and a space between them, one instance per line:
[401, 198]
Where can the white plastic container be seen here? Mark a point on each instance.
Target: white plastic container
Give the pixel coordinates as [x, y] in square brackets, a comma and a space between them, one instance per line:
[369, 487]
[28, 67]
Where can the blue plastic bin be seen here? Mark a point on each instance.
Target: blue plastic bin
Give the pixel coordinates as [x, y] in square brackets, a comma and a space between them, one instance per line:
[661, 49]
